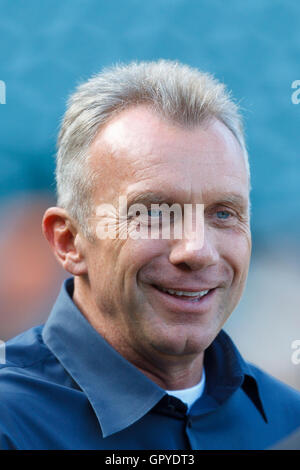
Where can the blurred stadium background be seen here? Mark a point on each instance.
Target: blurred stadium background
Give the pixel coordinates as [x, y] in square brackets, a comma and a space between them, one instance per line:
[48, 47]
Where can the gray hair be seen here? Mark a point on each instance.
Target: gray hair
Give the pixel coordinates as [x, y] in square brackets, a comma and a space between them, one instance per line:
[178, 92]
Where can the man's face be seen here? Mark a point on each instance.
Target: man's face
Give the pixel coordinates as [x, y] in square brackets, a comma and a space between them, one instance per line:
[139, 152]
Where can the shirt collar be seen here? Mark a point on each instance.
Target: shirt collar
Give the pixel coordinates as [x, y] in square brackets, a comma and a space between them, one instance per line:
[227, 371]
[119, 393]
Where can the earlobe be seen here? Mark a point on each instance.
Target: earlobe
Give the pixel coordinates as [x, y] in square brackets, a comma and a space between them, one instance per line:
[75, 265]
[62, 236]
[75, 262]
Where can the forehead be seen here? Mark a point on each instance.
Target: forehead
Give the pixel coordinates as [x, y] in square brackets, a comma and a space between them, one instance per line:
[139, 151]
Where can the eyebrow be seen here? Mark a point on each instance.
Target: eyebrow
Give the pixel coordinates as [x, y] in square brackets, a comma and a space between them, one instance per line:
[235, 199]
[161, 197]
[149, 196]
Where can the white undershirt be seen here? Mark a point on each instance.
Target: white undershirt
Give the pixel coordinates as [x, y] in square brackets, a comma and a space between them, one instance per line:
[190, 395]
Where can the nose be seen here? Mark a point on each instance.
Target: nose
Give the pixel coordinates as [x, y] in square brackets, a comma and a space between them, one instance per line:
[195, 252]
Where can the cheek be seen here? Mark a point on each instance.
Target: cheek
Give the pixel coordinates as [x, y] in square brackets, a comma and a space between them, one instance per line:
[137, 255]
[103, 265]
[237, 251]
[236, 255]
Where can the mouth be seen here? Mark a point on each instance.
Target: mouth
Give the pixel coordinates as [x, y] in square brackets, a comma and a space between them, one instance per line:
[192, 296]
[186, 301]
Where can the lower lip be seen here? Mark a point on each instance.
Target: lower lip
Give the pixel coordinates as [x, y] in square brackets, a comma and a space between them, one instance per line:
[184, 305]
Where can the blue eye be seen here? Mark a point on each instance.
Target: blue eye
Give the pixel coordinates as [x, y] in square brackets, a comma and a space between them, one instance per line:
[154, 213]
[223, 214]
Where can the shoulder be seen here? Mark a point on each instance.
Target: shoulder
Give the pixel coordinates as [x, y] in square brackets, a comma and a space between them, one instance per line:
[30, 380]
[22, 361]
[26, 361]
[29, 365]
[278, 398]
[24, 350]
[268, 382]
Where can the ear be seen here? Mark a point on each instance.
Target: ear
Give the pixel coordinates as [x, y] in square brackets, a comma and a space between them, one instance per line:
[64, 240]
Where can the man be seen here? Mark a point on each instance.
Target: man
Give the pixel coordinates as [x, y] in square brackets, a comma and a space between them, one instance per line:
[133, 355]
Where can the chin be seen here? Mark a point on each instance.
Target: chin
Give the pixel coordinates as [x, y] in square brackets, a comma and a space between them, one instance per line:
[183, 342]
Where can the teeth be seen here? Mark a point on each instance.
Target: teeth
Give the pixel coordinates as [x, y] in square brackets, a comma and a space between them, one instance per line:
[186, 293]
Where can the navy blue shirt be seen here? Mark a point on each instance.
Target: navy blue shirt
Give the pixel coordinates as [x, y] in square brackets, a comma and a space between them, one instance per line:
[64, 387]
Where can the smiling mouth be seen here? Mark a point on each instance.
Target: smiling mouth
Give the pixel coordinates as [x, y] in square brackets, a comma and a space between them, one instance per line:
[185, 295]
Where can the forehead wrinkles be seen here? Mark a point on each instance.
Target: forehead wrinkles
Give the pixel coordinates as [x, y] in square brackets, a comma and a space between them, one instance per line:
[127, 152]
[123, 165]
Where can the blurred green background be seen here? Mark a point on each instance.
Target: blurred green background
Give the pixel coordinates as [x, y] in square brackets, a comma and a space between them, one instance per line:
[49, 46]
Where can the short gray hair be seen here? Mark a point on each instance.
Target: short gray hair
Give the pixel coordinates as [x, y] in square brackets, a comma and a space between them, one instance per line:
[178, 92]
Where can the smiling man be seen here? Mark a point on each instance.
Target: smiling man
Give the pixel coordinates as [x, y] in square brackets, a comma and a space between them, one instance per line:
[133, 355]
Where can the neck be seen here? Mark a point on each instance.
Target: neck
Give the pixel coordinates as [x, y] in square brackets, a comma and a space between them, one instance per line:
[169, 371]
[176, 374]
